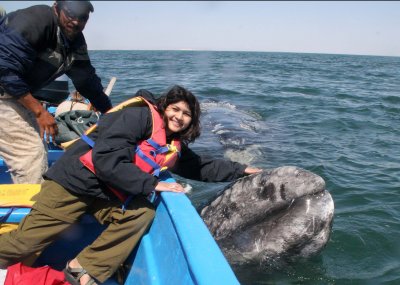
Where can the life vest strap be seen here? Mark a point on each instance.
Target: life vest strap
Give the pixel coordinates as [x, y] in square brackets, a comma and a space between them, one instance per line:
[153, 143]
[154, 165]
[161, 149]
[87, 140]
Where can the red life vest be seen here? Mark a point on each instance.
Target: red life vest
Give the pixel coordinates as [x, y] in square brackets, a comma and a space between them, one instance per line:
[152, 155]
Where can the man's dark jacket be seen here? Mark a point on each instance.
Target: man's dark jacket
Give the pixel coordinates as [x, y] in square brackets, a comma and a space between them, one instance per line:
[115, 142]
[34, 52]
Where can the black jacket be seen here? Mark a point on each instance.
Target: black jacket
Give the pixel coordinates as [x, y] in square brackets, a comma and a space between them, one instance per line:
[34, 52]
[115, 143]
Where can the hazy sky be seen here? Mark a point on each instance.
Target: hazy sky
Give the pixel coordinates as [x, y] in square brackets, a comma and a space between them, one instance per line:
[343, 27]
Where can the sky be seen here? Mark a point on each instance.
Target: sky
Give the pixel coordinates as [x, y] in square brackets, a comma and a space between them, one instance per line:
[334, 27]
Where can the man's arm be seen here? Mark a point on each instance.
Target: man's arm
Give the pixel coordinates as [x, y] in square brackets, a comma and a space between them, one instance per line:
[86, 81]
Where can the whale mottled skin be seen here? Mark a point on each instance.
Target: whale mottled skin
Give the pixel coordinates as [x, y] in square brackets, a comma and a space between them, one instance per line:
[279, 214]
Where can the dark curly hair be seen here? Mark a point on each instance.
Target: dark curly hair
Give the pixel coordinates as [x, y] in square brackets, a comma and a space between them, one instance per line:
[174, 95]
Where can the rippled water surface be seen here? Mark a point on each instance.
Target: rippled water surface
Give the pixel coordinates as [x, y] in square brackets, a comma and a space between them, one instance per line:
[335, 115]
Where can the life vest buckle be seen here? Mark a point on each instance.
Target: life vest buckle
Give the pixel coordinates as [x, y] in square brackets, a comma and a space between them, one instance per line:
[172, 148]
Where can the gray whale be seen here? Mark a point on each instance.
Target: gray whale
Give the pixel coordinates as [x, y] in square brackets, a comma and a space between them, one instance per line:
[277, 215]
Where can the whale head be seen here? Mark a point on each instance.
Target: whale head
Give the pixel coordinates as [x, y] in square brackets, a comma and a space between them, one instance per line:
[283, 213]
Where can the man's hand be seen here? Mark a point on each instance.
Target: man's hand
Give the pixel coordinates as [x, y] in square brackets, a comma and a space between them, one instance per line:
[47, 124]
[45, 121]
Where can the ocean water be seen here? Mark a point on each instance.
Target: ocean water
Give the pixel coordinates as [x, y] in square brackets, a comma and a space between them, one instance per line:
[335, 115]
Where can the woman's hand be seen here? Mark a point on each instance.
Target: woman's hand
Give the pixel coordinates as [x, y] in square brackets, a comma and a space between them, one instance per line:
[252, 170]
[170, 187]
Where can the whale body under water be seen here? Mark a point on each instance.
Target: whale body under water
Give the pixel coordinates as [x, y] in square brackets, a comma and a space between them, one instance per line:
[277, 215]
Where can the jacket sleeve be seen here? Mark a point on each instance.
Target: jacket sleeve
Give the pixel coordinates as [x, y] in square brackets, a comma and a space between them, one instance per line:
[114, 150]
[192, 166]
[22, 33]
[86, 81]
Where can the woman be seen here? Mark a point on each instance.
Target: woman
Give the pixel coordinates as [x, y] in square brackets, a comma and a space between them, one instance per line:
[117, 165]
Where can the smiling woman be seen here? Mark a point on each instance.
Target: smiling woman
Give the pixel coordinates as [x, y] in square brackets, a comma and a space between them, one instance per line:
[180, 109]
[177, 117]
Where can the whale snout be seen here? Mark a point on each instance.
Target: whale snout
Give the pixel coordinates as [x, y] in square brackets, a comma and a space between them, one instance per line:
[279, 213]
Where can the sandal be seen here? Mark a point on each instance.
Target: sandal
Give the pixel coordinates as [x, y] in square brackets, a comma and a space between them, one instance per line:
[73, 275]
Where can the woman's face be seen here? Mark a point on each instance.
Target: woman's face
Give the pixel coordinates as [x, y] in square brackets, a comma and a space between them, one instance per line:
[177, 117]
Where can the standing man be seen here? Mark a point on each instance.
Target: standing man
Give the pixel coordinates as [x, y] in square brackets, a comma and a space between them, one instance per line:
[37, 45]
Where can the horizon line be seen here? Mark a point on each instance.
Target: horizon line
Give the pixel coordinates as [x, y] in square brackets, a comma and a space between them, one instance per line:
[255, 51]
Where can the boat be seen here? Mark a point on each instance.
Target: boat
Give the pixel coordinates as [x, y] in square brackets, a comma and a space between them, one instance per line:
[177, 249]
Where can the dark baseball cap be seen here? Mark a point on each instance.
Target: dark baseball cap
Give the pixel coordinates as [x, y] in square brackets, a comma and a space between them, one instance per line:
[76, 7]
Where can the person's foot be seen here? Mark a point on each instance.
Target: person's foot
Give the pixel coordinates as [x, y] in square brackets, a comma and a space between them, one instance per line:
[75, 270]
